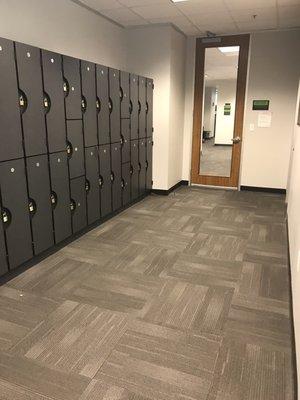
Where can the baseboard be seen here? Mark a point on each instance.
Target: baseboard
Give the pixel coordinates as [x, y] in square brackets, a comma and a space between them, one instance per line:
[294, 357]
[168, 191]
[263, 189]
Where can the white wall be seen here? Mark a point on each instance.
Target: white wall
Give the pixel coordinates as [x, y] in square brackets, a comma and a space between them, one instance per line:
[209, 108]
[225, 123]
[64, 27]
[294, 231]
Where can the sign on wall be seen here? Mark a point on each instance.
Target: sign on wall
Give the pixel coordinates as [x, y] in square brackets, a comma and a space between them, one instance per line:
[261, 105]
[227, 109]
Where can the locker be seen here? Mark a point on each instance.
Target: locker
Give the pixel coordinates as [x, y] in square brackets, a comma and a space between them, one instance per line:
[126, 184]
[142, 166]
[60, 196]
[40, 203]
[71, 87]
[54, 101]
[15, 212]
[142, 107]
[124, 94]
[149, 151]
[116, 176]
[105, 179]
[134, 169]
[125, 140]
[78, 204]
[10, 121]
[149, 108]
[134, 106]
[89, 103]
[114, 105]
[31, 92]
[3, 260]
[92, 184]
[75, 148]
[102, 104]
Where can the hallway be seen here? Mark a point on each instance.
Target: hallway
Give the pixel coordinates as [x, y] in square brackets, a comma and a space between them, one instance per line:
[184, 297]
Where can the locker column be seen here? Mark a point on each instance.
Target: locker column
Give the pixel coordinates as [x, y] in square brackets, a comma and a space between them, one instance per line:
[149, 132]
[3, 257]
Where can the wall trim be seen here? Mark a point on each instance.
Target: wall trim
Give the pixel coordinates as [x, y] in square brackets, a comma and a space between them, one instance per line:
[263, 189]
[168, 191]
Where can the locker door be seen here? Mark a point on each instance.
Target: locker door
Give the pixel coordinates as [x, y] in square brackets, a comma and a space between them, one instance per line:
[102, 104]
[60, 196]
[89, 104]
[124, 88]
[10, 121]
[142, 107]
[31, 93]
[15, 212]
[134, 169]
[3, 260]
[105, 179]
[149, 155]
[134, 106]
[78, 204]
[114, 101]
[126, 184]
[149, 107]
[54, 101]
[75, 148]
[116, 175]
[72, 87]
[40, 203]
[142, 166]
[92, 184]
[125, 140]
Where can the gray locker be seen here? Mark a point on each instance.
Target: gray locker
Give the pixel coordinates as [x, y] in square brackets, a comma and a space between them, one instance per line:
[72, 87]
[15, 212]
[142, 166]
[116, 176]
[3, 260]
[89, 103]
[40, 202]
[142, 107]
[124, 94]
[134, 169]
[54, 101]
[60, 196]
[125, 140]
[102, 104]
[75, 148]
[10, 121]
[134, 106]
[105, 179]
[78, 204]
[114, 104]
[126, 184]
[31, 84]
[92, 184]
[149, 155]
[149, 107]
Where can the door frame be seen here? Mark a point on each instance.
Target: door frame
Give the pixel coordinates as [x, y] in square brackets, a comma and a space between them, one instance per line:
[201, 45]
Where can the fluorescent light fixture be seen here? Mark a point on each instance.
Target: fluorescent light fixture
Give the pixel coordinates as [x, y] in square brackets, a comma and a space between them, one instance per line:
[177, 1]
[229, 49]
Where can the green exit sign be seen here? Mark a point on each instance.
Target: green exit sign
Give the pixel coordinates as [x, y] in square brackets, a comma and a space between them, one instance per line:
[261, 105]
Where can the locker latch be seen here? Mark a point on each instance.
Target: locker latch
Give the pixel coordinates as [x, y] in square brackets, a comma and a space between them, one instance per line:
[53, 199]
[100, 181]
[83, 104]
[66, 87]
[130, 107]
[110, 105]
[6, 217]
[47, 102]
[121, 94]
[112, 177]
[22, 101]
[131, 169]
[72, 206]
[147, 107]
[87, 186]
[140, 107]
[69, 149]
[98, 104]
[147, 164]
[140, 167]
[32, 207]
[122, 140]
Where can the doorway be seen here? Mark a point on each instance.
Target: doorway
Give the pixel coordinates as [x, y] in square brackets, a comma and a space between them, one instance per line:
[220, 85]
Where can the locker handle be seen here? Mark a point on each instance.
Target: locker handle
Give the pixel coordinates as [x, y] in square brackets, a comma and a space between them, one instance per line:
[47, 103]
[110, 105]
[130, 107]
[112, 177]
[53, 199]
[121, 94]
[131, 169]
[98, 105]
[147, 165]
[87, 186]
[6, 217]
[83, 104]
[147, 107]
[69, 149]
[123, 184]
[122, 140]
[72, 206]
[100, 181]
[23, 102]
[32, 207]
[140, 167]
[66, 87]
[140, 107]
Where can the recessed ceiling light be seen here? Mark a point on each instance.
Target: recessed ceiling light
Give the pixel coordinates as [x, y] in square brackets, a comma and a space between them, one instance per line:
[229, 49]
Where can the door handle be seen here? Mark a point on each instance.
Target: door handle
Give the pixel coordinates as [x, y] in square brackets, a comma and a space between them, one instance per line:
[236, 140]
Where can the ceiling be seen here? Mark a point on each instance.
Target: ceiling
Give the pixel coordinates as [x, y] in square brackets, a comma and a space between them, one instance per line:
[220, 65]
[195, 17]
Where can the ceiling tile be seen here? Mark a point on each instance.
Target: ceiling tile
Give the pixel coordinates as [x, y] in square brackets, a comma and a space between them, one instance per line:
[288, 2]
[218, 28]
[201, 6]
[122, 15]
[212, 18]
[256, 26]
[99, 5]
[262, 14]
[154, 11]
[248, 4]
[289, 12]
[289, 23]
[135, 3]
